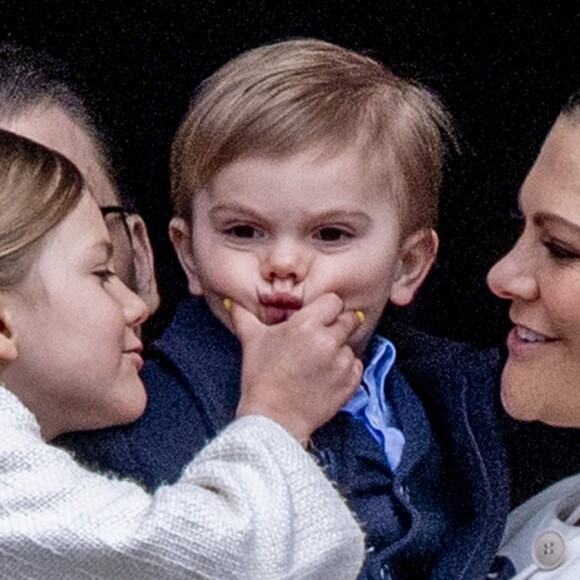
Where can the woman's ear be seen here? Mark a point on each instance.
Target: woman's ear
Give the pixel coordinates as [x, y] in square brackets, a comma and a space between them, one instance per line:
[416, 256]
[8, 350]
[143, 261]
[180, 235]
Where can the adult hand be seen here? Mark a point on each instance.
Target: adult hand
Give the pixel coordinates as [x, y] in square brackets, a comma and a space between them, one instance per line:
[299, 372]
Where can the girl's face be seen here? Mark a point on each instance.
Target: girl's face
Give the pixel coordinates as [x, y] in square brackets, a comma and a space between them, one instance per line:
[541, 277]
[72, 323]
[54, 128]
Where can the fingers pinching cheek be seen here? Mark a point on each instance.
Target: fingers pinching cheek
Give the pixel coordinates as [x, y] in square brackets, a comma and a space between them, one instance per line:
[350, 367]
[345, 359]
[357, 372]
[307, 328]
[246, 325]
[325, 308]
[323, 343]
[345, 325]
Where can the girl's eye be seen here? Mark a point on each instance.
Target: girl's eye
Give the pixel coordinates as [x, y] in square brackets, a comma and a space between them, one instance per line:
[561, 253]
[245, 232]
[333, 234]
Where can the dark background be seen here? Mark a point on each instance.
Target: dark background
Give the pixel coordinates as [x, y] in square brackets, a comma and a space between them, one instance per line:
[502, 68]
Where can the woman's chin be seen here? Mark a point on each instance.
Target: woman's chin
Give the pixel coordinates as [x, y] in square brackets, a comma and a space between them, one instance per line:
[518, 397]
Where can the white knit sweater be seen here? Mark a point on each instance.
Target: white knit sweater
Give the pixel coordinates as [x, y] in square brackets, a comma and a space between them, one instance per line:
[251, 505]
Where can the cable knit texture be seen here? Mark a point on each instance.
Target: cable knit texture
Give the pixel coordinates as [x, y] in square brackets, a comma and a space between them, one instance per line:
[252, 505]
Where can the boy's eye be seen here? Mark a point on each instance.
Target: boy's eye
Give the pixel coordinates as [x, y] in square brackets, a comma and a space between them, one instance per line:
[332, 234]
[244, 231]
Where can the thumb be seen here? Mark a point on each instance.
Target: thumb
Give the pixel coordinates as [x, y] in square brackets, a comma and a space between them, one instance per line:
[245, 324]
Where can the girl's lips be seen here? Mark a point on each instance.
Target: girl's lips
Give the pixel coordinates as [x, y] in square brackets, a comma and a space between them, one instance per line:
[135, 354]
[136, 357]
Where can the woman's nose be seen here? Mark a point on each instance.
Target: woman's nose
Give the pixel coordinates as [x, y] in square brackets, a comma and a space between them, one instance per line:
[513, 277]
[285, 259]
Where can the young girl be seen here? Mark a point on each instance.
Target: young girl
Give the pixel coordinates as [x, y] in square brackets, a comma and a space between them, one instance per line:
[251, 505]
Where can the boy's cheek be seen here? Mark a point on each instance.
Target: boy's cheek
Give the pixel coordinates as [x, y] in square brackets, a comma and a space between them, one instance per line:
[218, 309]
[231, 282]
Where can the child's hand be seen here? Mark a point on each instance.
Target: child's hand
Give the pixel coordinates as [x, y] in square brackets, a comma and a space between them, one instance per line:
[300, 372]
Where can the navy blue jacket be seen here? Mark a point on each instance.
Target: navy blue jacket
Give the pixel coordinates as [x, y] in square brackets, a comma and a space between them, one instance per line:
[441, 515]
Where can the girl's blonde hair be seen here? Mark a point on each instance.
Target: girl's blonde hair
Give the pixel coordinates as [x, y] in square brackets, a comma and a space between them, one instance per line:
[38, 188]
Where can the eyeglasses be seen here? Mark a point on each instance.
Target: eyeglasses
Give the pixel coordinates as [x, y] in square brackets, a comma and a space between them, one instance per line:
[116, 210]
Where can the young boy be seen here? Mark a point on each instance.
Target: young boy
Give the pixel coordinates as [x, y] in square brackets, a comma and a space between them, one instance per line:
[304, 168]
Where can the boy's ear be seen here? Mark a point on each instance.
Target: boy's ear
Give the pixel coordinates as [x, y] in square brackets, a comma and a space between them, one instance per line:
[143, 262]
[416, 256]
[8, 350]
[180, 235]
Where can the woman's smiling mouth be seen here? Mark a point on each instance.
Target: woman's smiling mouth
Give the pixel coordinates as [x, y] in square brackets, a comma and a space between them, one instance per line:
[528, 335]
[523, 341]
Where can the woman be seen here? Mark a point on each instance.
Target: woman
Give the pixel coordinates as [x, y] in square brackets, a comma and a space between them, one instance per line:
[540, 381]
[251, 505]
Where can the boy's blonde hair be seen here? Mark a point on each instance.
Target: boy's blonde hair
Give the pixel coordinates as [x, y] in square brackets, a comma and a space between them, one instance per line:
[38, 189]
[283, 98]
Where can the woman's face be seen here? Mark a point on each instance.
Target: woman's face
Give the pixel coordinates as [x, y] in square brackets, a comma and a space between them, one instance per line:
[541, 278]
[72, 322]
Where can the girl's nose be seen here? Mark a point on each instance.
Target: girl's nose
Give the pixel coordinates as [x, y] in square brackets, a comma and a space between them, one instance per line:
[134, 308]
[513, 277]
[285, 260]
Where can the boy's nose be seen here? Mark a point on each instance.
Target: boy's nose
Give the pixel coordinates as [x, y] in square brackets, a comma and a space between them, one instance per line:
[513, 277]
[284, 260]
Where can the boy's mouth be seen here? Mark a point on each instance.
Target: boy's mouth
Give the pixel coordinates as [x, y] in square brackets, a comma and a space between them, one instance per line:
[278, 307]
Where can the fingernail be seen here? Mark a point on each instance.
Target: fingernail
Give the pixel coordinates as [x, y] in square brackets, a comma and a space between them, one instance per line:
[227, 302]
[361, 316]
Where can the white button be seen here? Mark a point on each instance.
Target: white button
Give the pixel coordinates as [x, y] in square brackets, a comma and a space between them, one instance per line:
[549, 550]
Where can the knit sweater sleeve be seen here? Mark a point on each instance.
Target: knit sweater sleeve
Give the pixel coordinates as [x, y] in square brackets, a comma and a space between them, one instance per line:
[251, 505]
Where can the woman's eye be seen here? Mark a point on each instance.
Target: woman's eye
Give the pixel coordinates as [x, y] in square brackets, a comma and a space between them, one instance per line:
[105, 275]
[333, 234]
[560, 252]
[244, 231]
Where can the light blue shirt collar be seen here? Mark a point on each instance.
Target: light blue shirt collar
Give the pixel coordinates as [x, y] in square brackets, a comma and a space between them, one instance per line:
[370, 405]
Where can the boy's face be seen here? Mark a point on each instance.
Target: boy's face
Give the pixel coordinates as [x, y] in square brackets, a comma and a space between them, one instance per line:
[274, 234]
